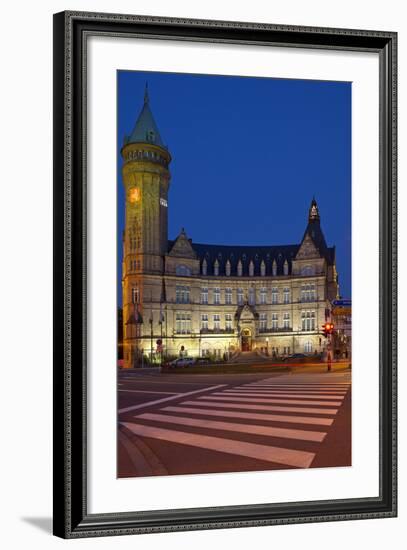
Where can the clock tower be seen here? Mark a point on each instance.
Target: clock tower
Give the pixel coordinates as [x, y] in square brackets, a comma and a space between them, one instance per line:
[146, 180]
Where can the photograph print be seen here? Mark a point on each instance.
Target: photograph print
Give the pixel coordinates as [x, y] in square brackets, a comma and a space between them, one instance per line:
[233, 274]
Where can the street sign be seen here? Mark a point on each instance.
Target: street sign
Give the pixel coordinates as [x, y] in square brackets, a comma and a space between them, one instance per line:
[342, 303]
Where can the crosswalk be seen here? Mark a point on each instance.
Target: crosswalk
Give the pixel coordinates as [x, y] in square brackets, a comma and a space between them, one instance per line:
[281, 421]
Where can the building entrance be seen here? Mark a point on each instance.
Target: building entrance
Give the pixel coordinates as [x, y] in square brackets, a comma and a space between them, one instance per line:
[246, 340]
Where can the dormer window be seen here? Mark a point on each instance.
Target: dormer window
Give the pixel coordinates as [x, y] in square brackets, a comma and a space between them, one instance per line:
[204, 267]
[285, 268]
[216, 268]
[151, 136]
[274, 268]
[228, 268]
[251, 268]
[263, 269]
[239, 268]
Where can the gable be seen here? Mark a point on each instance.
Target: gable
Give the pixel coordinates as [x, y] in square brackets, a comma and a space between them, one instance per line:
[182, 248]
[307, 250]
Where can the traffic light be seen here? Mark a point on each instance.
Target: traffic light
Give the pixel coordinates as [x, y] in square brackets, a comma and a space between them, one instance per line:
[327, 329]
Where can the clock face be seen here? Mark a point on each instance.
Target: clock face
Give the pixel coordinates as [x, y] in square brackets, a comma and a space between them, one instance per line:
[134, 195]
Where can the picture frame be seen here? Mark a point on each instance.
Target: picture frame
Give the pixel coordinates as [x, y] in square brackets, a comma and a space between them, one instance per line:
[72, 518]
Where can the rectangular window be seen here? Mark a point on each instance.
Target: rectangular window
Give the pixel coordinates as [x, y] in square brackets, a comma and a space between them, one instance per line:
[308, 293]
[216, 322]
[135, 295]
[263, 321]
[274, 321]
[286, 295]
[183, 323]
[204, 295]
[286, 320]
[263, 295]
[274, 295]
[252, 296]
[204, 321]
[216, 295]
[308, 320]
[240, 296]
[228, 296]
[228, 321]
[182, 294]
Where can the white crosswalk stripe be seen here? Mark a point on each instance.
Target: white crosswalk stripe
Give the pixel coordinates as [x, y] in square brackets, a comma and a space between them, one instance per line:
[264, 409]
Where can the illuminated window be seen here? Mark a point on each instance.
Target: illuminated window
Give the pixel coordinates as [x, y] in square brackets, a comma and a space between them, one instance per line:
[204, 295]
[204, 321]
[286, 294]
[308, 347]
[274, 295]
[252, 296]
[286, 320]
[308, 320]
[216, 321]
[135, 295]
[263, 321]
[228, 296]
[183, 323]
[228, 321]
[263, 295]
[182, 294]
[274, 321]
[216, 295]
[240, 296]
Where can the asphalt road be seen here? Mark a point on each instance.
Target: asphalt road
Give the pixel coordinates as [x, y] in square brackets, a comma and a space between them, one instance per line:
[172, 424]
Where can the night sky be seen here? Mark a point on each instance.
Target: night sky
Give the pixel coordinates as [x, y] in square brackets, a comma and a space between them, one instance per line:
[248, 156]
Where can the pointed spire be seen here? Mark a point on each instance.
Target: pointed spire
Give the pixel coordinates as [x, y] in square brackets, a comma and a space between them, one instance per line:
[313, 214]
[145, 130]
[146, 98]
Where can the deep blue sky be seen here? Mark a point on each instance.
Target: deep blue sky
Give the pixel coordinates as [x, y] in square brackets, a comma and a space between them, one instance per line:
[248, 156]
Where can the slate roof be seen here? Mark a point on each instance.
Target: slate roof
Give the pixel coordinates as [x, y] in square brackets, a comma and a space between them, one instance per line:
[145, 129]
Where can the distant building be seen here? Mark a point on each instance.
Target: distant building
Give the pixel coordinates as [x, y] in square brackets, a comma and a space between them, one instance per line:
[208, 299]
[342, 340]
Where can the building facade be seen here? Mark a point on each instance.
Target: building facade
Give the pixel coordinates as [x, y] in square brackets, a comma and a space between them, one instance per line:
[185, 298]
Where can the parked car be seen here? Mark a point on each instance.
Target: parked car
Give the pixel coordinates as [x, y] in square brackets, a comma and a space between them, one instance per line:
[180, 362]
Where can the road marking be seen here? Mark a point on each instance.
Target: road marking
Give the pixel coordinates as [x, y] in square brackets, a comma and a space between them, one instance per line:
[248, 406]
[271, 431]
[253, 416]
[221, 396]
[278, 455]
[278, 394]
[164, 399]
[153, 391]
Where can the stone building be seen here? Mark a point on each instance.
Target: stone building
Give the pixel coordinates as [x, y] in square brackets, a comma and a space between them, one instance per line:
[185, 298]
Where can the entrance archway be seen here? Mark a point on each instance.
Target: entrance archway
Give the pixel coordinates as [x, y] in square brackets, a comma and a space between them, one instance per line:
[246, 343]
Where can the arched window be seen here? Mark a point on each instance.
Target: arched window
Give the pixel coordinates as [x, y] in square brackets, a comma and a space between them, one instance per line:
[274, 268]
[204, 267]
[216, 268]
[251, 268]
[263, 269]
[228, 268]
[239, 268]
[285, 268]
[183, 270]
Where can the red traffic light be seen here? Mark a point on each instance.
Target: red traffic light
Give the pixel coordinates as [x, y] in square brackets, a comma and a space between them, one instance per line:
[328, 328]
